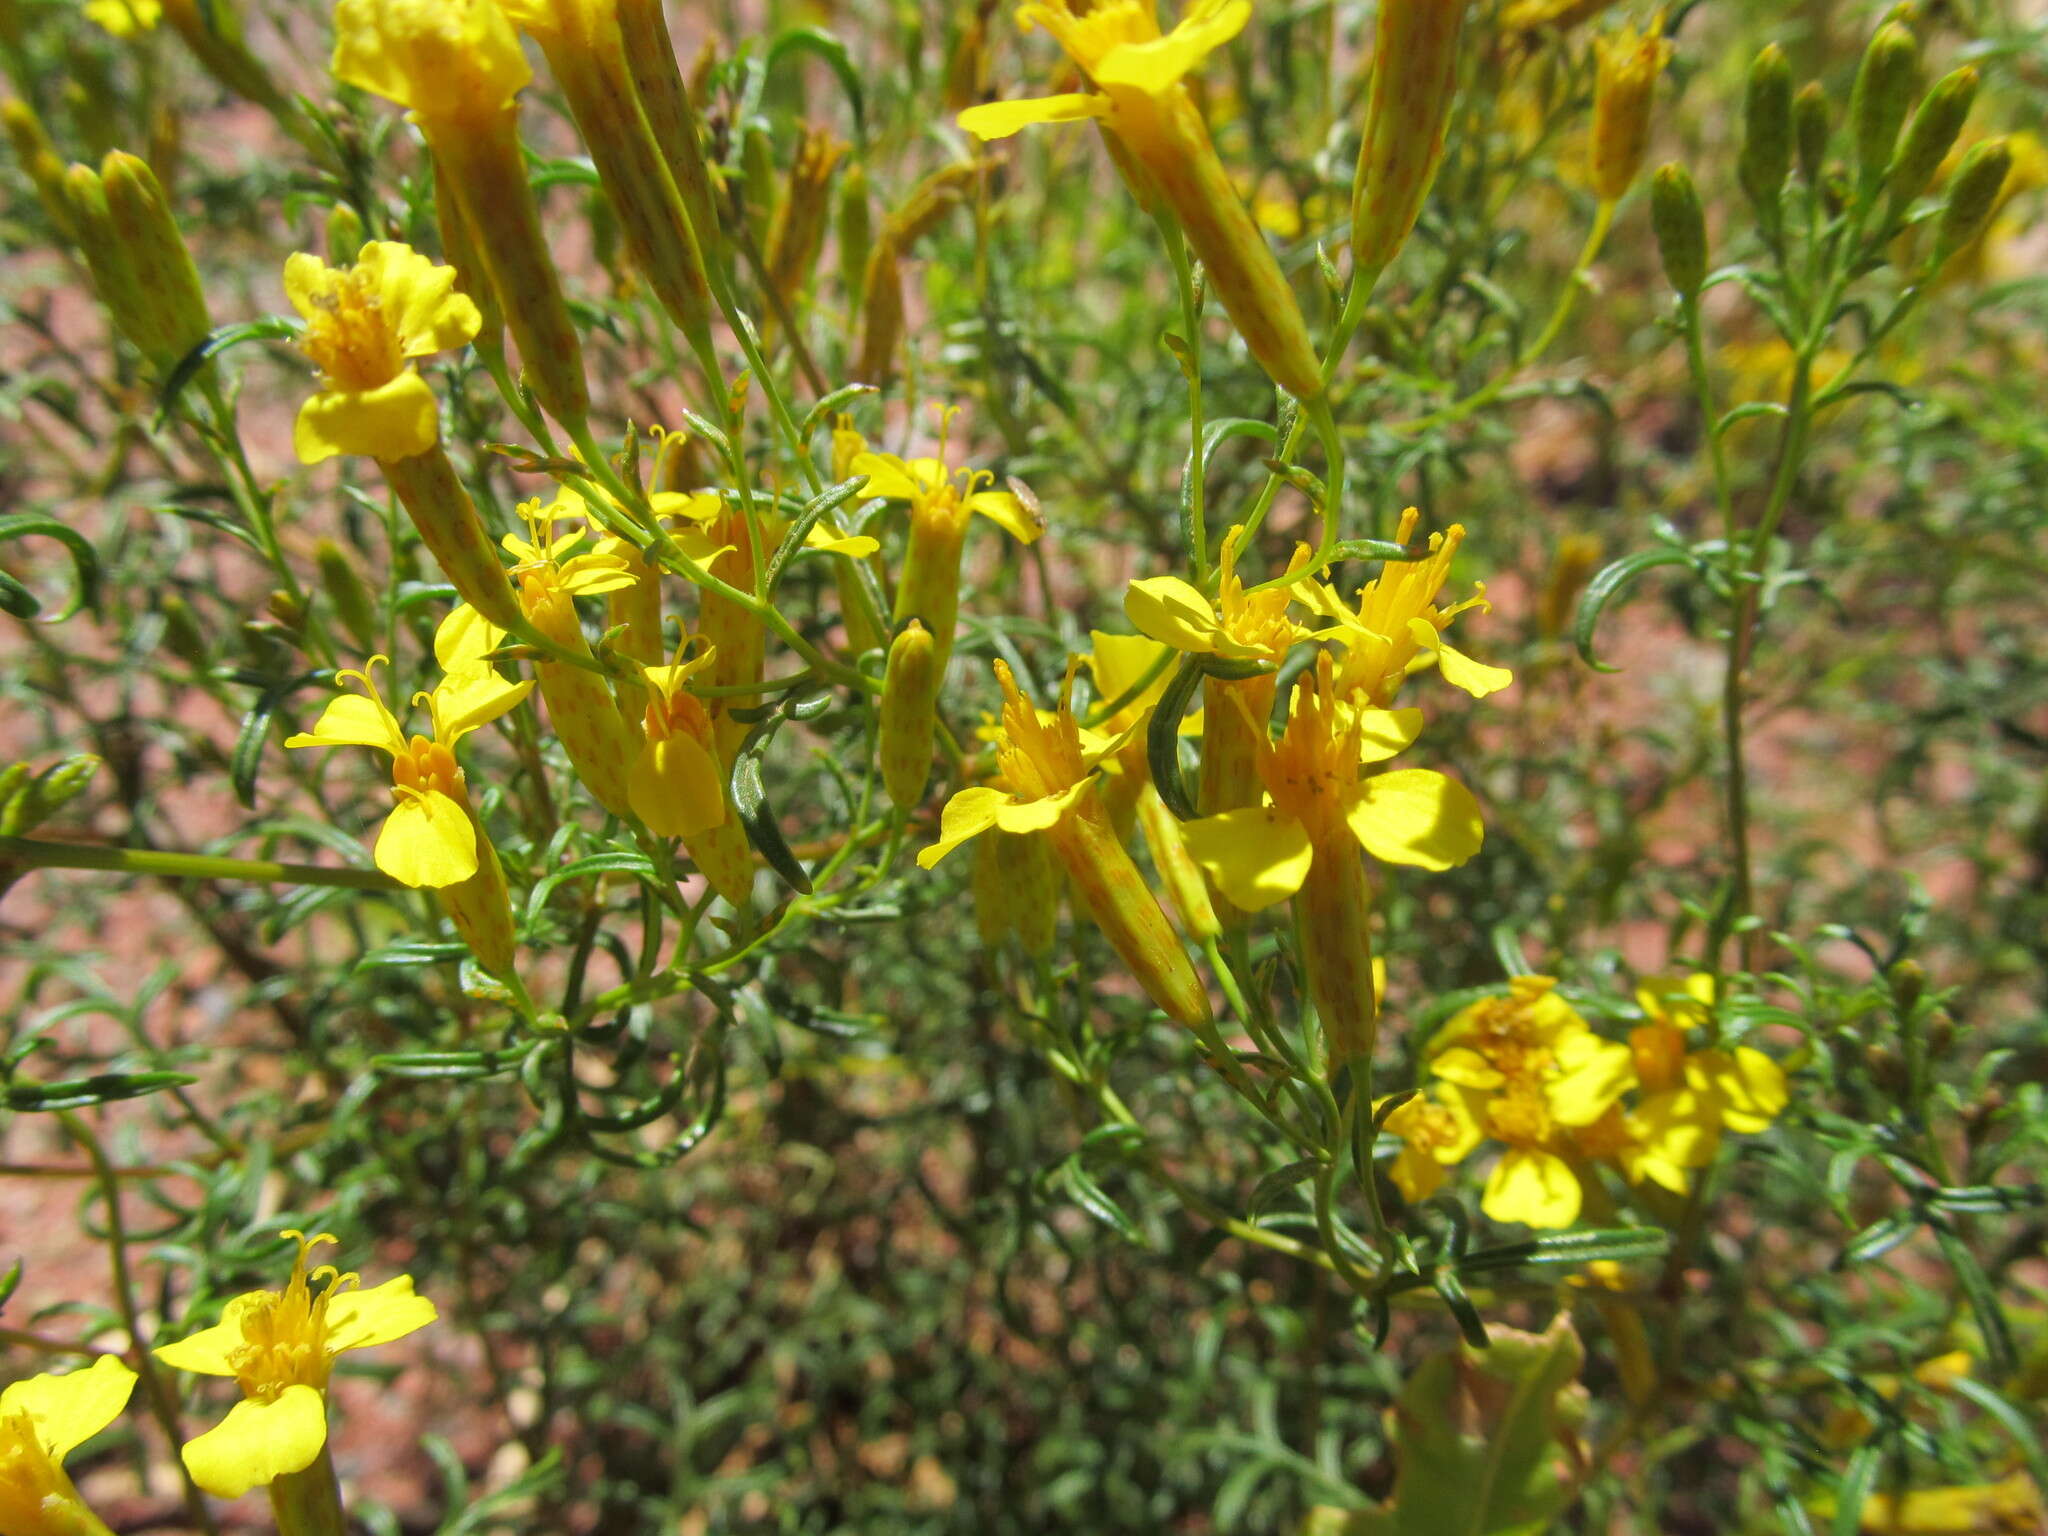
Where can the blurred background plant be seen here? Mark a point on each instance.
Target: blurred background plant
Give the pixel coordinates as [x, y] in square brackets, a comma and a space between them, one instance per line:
[882, 1198]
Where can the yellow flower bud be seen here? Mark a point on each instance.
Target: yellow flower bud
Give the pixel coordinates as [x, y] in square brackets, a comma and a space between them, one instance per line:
[1016, 890]
[596, 736]
[1414, 77]
[1628, 64]
[910, 692]
[38, 158]
[427, 487]
[156, 254]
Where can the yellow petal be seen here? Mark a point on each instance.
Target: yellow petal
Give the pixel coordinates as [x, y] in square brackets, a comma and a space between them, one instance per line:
[1170, 611]
[307, 279]
[353, 720]
[364, 1319]
[1008, 513]
[453, 58]
[1458, 669]
[1156, 66]
[967, 814]
[1591, 1074]
[392, 421]
[416, 297]
[1416, 1174]
[1413, 816]
[1384, 733]
[1000, 119]
[888, 477]
[1464, 1066]
[427, 842]
[464, 638]
[69, 1410]
[1118, 661]
[210, 1351]
[858, 545]
[675, 786]
[259, 1442]
[1750, 1086]
[1536, 1188]
[1680, 1127]
[471, 696]
[694, 507]
[1022, 816]
[1256, 856]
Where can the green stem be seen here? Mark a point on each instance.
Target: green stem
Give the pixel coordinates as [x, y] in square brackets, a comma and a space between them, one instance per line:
[308, 1503]
[38, 854]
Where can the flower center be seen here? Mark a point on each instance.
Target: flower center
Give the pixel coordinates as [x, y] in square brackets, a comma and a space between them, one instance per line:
[1088, 37]
[426, 766]
[1518, 1116]
[284, 1336]
[350, 338]
[1316, 759]
[29, 1479]
[1038, 758]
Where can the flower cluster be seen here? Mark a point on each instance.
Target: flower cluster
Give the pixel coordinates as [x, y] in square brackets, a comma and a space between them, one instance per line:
[1526, 1071]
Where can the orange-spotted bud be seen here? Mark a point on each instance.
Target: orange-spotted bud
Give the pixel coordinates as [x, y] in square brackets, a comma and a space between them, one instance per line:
[1187, 888]
[1414, 77]
[1335, 911]
[427, 487]
[596, 736]
[1016, 889]
[909, 711]
[1625, 80]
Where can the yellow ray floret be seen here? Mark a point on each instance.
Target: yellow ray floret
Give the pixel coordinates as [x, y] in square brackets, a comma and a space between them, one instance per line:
[43, 1420]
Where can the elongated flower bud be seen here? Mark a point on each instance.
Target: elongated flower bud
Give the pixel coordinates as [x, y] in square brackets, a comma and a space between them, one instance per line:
[346, 593]
[1972, 197]
[739, 636]
[1624, 84]
[156, 254]
[636, 609]
[1335, 909]
[480, 907]
[671, 116]
[798, 233]
[183, 637]
[725, 858]
[1234, 712]
[585, 716]
[1880, 99]
[854, 228]
[1810, 131]
[1414, 77]
[928, 586]
[38, 158]
[910, 695]
[427, 487]
[1681, 228]
[472, 277]
[881, 312]
[1187, 888]
[1016, 892]
[1929, 137]
[113, 274]
[1767, 134]
[212, 30]
[584, 48]
[1123, 907]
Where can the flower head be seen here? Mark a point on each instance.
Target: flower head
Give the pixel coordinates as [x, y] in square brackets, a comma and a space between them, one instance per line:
[1397, 627]
[941, 495]
[1315, 790]
[430, 839]
[1238, 626]
[364, 326]
[124, 18]
[1119, 47]
[1691, 1097]
[280, 1347]
[449, 61]
[1437, 1130]
[1047, 761]
[675, 784]
[43, 1420]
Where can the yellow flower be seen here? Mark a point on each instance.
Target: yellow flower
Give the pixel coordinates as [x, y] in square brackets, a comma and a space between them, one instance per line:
[43, 1420]
[1436, 1131]
[1237, 626]
[1316, 796]
[1692, 1096]
[1397, 628]
[942, 503]
[430, 838]
[1533, 1073]
[364, 326]
[449, 61]
[124, 18]
[280, 1346]
[676, 784]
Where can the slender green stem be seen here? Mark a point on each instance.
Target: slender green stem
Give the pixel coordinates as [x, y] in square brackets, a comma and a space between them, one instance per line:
[35, 853]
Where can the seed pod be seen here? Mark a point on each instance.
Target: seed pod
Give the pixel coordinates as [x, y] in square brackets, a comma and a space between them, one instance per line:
[1627, 66]
[1766, 134]
[1335, 909]
[586, 717]
[1414, 78]
[1929, 137]
[909, 712]
[1187, 888]
[38, 157]
[1116, 897]
[426, 486]
[1879, 101]
[1972, 197]
[1810, 131]
[156, 254]
[345, 591]
[1681, 228]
